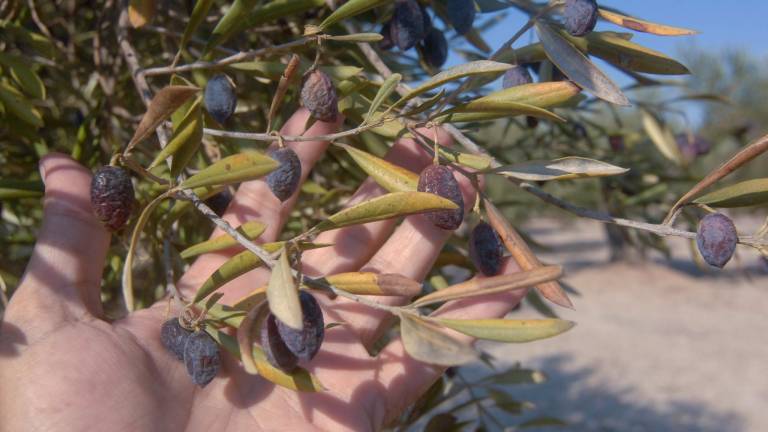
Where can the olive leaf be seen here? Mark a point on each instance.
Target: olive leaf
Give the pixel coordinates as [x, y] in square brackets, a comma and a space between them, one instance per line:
[508, 330]
[251, 230]
[357, 37]
[141, 12]
[523, 256]
[426, 342]
[490, 285]
[566, 168]
[662, 138]
[298, 380]
[127, 278]
[233, 20]
[11, 189]
[241, 264]
[24, 75]
[367, 283]
[237, 168]
[199, 12]
[350, 9]
[642, 25]
[391, 177]
[476, 161]
[384, 207]
[742, 194]
[427, 104]
[537, 95]
[577, 67]
[275, 9]
[283, 294]
[274, 70]
[477, 67]
[16, 103]
[493, 110]
[186, 139]
[165, 102]
[249, 327]
[387, 87]
[622, 53]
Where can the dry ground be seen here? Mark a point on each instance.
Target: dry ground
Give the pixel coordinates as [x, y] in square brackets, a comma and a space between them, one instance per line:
[659, 346]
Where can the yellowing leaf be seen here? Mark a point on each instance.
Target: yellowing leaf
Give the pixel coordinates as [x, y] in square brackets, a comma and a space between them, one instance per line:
[298, 380]
[643, 26]
[490, 285]
[250, 230]
[283, 294]
[165, 102]
[622, 53]
[577, 66]
[742, 194]
[141, 12]
[391, 177]
[508, 330]
[490, 110]
[385, 207]
[426, 342]
[237, 168]
[367, 283]
[662, 138]
[559, 169]
[246, 336]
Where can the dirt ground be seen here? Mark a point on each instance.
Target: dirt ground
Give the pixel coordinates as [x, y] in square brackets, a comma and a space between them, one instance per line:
[658, 346]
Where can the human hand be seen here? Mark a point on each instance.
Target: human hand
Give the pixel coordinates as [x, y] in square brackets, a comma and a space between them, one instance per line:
[62, 367]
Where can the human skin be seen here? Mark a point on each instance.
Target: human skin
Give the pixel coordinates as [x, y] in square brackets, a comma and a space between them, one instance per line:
[63, 367]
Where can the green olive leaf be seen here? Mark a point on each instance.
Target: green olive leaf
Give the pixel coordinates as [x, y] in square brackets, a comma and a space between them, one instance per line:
[566, 168]
[251, 230]
[165, 102]
[742, 194]
[237, 168]
[385, 207]
[276, 9]
[426, 342]
[16, 103]
[391, 177]
[274, 70]
[233, 20]
[508, 330]
[478, 67]
[387, 87]
[186, 139]
[23, 74]
[12, 189]
[478, 162]
[199, 12]
[350, 9]
[577, 67]
[357, 37]
[283, 294]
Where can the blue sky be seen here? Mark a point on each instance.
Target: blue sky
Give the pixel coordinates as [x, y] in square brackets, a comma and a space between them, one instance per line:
[721, 24]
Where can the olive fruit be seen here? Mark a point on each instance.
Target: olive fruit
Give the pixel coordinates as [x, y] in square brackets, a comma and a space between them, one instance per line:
[408, 24]
[461, 14]
[580, 16]
[716, 238]
[485, 249]
[202, 357]
[220, 99]
[174, 337]
[318, 95]
[112, 196]
[284, 180]
[439, 180]
[515, 76]
[278, 354]
[305, 343]
[434, 48]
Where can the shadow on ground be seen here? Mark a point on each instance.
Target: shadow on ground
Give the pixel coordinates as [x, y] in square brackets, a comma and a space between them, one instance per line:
[571, 395]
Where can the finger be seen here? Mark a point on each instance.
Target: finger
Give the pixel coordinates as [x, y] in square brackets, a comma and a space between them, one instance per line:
[255, 201]
[411, 251]
[63, 277]
[355, 245]
[405, 379]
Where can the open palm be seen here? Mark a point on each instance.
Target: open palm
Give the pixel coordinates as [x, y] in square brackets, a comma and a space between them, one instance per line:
[62, 367]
